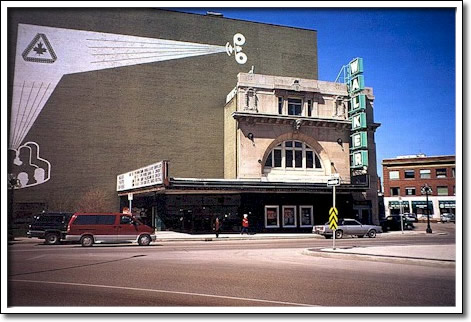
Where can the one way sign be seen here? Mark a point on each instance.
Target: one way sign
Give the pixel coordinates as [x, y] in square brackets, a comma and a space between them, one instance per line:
[333, 182]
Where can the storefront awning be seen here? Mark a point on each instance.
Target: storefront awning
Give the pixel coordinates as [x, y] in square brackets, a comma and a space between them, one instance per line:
[447, 203]
[192, 186]
[397, 204]
[422, 204]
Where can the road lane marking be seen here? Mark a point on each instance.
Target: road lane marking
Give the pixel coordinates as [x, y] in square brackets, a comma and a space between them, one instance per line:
[36, 257]
[166, 291]
[77, 266]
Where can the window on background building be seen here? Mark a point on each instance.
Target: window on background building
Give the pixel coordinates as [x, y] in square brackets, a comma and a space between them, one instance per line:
[309, 108]
[293, 155]
[454, 193]
[409, 174]
[295, 106]
[395, 191]
[410, 191]
[453, 172]
[442, 191]
[280, 105]
[441, 173]
[393, 175]
[424, 174]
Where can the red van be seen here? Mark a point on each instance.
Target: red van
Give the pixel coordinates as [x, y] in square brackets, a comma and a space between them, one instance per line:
[90, 228]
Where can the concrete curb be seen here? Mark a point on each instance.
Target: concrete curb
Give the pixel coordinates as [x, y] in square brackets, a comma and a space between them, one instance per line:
[381, 258]
[261, 236]
[252, 237]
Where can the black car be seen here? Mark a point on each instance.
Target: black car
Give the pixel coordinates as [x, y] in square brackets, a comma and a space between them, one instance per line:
[393, 222]
[50, 226]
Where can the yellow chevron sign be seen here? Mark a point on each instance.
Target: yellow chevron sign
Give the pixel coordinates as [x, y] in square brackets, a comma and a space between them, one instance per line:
[333, 219]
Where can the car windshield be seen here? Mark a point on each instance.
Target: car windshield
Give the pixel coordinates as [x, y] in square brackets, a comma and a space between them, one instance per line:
[49, 219]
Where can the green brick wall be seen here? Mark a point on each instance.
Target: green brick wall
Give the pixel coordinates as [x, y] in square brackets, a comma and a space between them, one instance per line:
[99, 124]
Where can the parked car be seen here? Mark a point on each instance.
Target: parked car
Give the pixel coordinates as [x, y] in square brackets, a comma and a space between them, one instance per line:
[448, 217]
[348, 227]
[50, 226]
[393, 222]
[411, 217]
[91, 228]
[423, 217]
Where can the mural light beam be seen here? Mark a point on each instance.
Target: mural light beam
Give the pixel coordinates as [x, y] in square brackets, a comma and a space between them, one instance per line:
[45, 54]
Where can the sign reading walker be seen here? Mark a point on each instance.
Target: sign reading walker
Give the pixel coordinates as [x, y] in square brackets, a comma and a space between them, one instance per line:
[147, 176]
[357, 114]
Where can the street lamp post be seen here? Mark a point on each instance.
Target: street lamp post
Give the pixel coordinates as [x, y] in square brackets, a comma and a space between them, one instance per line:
[427, 190]
[401, 214]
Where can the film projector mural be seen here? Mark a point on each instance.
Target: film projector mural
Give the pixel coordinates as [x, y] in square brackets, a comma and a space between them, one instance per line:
[45, 54]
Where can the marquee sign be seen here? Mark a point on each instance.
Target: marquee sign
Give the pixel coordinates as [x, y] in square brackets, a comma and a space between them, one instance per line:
[357, 114]
[143, 177]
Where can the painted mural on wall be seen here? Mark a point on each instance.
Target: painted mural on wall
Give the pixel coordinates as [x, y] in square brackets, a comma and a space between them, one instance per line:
[45, 54]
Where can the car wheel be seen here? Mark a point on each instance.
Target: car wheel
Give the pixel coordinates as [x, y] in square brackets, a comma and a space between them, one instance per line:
[86, 241]
[52, 239]
[144, 240]
[372, 233]
[338, 234]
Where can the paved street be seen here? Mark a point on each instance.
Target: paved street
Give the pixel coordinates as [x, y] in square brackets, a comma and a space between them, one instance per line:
[249, 272]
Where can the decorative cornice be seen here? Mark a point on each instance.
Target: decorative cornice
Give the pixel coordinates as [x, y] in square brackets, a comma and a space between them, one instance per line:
[290, 120]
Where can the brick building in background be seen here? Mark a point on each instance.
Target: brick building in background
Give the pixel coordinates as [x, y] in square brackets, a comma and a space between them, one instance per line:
[404, 176]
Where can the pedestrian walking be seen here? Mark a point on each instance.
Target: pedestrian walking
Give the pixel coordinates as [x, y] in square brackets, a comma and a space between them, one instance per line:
[245, 225]
[217, 227]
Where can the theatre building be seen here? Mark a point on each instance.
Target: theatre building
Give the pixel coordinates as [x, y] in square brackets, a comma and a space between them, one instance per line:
[284, 137]
[404, 178]
[184, 118]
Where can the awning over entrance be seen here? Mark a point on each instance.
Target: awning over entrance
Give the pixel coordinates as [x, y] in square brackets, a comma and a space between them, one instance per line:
[447, 203]
[422, 204]
[397, 204]
[187, 185]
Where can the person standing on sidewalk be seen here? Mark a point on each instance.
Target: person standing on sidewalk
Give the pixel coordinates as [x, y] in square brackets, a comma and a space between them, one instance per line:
[217, 227]
[245, 225]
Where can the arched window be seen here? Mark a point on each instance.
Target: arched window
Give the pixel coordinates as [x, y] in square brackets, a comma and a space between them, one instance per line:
[293, 155]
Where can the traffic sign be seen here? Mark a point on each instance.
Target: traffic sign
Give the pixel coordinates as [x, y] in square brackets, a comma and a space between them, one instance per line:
[333, 219]
[333, 225]
[333, 182]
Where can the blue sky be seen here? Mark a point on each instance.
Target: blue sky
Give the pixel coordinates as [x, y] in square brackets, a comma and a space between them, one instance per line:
[409, 60]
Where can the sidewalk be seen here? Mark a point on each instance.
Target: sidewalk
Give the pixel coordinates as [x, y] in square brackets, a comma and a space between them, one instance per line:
[163, 236]
[433, 255]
